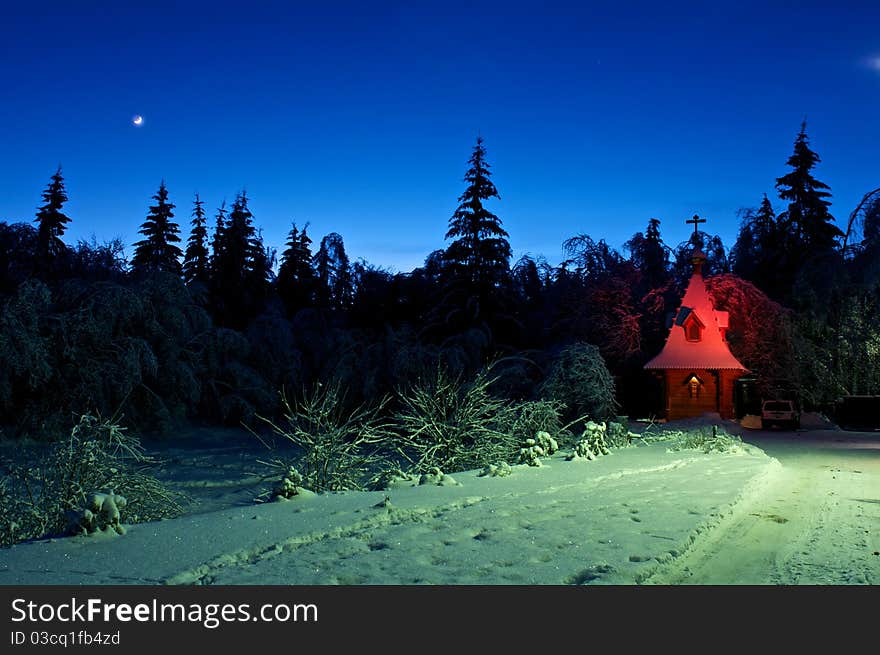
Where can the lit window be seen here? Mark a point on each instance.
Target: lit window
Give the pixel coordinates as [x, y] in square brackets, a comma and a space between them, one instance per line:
[692, 330]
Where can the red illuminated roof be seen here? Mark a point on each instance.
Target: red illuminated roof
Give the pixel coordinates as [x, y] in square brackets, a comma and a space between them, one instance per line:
[711, 350]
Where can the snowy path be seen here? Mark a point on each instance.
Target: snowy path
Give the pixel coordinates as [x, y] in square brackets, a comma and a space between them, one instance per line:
[816, 522]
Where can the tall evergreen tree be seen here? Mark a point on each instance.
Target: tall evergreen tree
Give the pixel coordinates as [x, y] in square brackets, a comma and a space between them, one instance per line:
[52, 223]
[217, 238]
[333, 272]
[807, 219]
[240, 266]
[296, 278]
[157, 251]
[809, 264]
[196, 260]
[480, 252]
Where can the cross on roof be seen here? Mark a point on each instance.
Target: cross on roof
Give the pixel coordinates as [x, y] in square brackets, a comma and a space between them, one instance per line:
[696, 220]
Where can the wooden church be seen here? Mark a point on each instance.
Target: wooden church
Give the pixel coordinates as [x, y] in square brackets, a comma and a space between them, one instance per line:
[696, 366]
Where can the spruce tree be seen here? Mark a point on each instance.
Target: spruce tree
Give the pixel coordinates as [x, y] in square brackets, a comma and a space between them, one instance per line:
[52, 223]
[240, 266]
[157, 252]
[296, 278]
[196, 261]
[480, 252]
[476, 299]
[217, 238]
[807, 219]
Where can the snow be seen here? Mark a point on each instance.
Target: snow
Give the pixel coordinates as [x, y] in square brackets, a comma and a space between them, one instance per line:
[638, 515]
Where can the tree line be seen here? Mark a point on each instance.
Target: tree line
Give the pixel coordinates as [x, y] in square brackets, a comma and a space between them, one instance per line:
[211, 329]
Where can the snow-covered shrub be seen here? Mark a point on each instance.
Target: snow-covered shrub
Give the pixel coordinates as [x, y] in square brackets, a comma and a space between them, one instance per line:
[706, 439]
[102, 513]
[290, 485]
[527, 418]
[39, 495]
[618, 436]
[592, 443]
[339, 447]
[581, 381]
[388, 478]
[499, 470]
[437, 477]
[455, 425]
[547, 443]
[542, 445]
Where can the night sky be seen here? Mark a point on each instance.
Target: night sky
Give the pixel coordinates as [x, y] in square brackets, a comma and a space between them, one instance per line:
[360, 118]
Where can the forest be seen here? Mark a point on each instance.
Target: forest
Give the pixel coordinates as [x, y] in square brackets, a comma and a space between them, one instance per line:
[216, 327]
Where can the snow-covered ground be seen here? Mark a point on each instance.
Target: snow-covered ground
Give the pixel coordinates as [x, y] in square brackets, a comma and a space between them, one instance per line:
[638, 515]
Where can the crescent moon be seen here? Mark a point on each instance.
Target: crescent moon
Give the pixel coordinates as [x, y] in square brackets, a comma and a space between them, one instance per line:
[138, 120]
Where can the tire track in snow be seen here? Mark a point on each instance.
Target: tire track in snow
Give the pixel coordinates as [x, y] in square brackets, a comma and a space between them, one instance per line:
[806, 524]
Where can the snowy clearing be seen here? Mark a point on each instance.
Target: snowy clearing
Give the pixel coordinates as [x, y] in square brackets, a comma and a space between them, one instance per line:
[804, 512]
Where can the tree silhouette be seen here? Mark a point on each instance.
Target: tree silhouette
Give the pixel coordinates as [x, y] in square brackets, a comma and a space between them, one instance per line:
[52, 223]
[333, 273]
[296, 278]
[650, 256]
[711, 245]
[757, 254]
[217, 238]
[476, 292]
[807, 219]
[240, 266]
[157, 252]
[196, 261]
[810, 262]
[480, 252]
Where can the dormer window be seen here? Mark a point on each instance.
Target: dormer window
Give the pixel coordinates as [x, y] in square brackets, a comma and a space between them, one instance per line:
[693, 328]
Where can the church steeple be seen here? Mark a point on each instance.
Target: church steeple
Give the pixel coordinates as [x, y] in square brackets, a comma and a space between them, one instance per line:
[699, 257]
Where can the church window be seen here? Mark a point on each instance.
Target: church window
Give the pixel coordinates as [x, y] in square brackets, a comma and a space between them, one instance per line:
[693, 331]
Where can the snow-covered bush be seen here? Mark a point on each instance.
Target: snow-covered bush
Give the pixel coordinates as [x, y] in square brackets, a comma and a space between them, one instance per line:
[706, 439]
[102, 513]
[339, 447]
[291, 484]
[388, 478]
[592, 443]
[40, 494]
[454, 425]
[581, 381]
[618, 436]
[437, 477]
[541, 445]
[499, 470]
[527, 418]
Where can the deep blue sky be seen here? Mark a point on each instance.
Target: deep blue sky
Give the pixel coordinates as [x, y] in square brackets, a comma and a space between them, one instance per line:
[359, 118]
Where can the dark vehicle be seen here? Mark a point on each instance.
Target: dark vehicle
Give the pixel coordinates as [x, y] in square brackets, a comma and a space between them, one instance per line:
[858, 413]
[780, 412]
